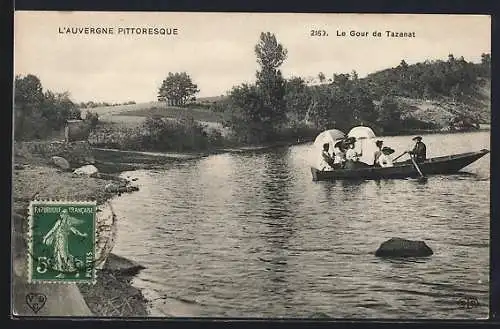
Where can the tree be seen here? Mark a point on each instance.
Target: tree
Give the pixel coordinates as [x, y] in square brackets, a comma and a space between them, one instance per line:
[403, 65]
[389, 115]
[58, 107]
[247, 118]
[258, 112]
[39, 114]
[341, 80]
[485, 64]
[28, 97]
[28, 91]
[321, 77]
[177, 89]
[92, 118]
[270, 56]
[354, 75]
[297, 99]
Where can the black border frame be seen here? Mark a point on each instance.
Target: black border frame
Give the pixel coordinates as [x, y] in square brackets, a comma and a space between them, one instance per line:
[483, 7]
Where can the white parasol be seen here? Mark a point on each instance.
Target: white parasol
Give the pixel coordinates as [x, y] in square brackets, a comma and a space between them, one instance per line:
[360, 133]
[328, 136]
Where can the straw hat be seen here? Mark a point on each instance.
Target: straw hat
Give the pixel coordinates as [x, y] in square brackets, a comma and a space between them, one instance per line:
[417, 138]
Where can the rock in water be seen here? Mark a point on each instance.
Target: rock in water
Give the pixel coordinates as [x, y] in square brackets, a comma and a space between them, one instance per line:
[397, 247]
[87, 170]
[61, 162]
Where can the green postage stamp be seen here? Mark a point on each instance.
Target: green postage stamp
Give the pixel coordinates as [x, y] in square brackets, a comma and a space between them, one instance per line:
[61, 239]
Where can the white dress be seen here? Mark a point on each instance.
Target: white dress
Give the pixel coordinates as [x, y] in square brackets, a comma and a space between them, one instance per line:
[385, 161]
[352, 155]
[338, 156]
[323, 165]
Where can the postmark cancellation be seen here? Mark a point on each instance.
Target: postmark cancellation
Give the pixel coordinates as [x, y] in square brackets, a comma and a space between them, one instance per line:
[62, 242]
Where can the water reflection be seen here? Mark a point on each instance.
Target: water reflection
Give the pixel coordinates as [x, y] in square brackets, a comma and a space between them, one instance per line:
[279, 219]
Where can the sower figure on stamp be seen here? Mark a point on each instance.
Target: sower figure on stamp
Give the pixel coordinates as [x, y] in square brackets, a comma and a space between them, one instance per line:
[58, 237]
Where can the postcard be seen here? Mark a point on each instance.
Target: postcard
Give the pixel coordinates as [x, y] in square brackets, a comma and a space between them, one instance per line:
[251, 165]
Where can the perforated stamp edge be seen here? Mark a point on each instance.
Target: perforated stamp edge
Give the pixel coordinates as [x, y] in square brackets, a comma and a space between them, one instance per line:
[29, 236]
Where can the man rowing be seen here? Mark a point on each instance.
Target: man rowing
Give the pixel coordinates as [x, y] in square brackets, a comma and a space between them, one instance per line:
[419, 151]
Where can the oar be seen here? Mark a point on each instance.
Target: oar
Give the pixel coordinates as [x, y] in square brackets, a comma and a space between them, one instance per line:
[422, 177]
[399, 156]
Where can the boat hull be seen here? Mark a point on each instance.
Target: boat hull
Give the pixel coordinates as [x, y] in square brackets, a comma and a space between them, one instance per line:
[433, 166]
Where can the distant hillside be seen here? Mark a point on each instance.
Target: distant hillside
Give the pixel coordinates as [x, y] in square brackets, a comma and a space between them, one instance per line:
[442, 111]
[429, 95]
[208, 100]
[437, 91]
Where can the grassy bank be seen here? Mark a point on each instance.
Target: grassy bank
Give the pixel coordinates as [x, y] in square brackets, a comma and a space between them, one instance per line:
[187, 136]
[175, 112]
[33, 177]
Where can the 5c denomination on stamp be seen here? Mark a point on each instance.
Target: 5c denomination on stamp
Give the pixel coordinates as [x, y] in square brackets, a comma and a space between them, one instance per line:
[61, 239]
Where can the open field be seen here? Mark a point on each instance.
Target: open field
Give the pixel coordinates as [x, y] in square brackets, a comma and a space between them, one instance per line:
[129, 121]
[134, 114]
[198, 114]
[154, 108]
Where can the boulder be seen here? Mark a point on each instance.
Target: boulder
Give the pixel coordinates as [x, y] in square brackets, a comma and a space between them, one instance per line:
[110, 177]
[61, 162]
[398, 247]
[111, 187]
[122, 265]
[115, 188]
[88, 170]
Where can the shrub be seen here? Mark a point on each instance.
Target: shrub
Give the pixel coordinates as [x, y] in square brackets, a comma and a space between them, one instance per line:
[92, 118]
[159, 134]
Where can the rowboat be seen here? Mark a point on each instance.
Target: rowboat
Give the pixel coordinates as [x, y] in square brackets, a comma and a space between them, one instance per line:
[443, 165]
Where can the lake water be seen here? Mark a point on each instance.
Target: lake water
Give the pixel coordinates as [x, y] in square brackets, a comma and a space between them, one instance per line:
[251, 235]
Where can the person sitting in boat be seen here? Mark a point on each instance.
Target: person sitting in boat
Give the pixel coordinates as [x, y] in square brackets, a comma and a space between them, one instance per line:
[338, 155]
[351, 155]
[419, 151]
[378, 152]
[384, 160]
[326, 161]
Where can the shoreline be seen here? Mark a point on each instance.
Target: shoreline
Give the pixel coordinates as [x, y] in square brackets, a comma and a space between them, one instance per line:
[113, 294]
[117, 161]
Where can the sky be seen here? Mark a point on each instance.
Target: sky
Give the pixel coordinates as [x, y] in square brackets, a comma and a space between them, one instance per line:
[217, 49]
